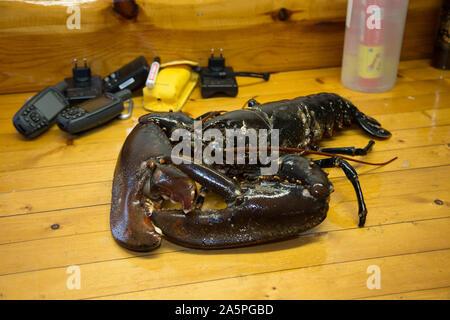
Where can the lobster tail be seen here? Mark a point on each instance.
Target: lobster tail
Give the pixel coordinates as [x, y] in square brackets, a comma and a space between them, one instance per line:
[371, 126]
[339, 105]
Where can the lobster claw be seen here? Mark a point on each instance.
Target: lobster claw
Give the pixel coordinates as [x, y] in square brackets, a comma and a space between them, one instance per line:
[272, 211]
[130, 226]
[137, 164]
[255, 213]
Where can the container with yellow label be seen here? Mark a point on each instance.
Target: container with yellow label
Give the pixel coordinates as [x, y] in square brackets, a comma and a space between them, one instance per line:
[370, 61]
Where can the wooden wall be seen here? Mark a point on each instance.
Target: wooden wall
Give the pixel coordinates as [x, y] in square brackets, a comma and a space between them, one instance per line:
[37, 48]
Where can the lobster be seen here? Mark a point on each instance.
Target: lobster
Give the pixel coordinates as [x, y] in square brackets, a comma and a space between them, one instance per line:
[258, 208]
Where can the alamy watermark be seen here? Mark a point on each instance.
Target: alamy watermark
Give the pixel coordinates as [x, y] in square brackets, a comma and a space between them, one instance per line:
[74, 20]
[231, 149]
[374, 280]
[73, 281]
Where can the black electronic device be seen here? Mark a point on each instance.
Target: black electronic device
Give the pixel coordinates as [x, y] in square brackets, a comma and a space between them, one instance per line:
[218, 79]
[212, 85]
[131, 76]
[95, 112]
[40, 111]
[82, 86]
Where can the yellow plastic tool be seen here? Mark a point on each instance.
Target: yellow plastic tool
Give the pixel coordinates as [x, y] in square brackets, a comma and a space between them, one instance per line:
[172, 88]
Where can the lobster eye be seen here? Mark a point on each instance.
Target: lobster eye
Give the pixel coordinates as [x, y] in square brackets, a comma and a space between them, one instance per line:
[195, 194]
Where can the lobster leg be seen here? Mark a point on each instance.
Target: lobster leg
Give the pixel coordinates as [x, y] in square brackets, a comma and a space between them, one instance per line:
[200, 198]
[351, 174]
[212, 180]
[351, 151]
[296, 168]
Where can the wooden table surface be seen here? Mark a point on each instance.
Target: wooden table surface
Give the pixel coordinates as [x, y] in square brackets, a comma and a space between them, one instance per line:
[55, 200]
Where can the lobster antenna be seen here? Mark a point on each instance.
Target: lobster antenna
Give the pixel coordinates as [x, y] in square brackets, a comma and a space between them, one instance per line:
[212, 115]
[209, 116]
[304, 151]
[334, 155]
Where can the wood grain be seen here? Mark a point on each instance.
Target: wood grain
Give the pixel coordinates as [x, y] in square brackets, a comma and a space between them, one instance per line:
[37, 49]
[108, 150]
[55, 200]
[427, 294]
[279, 285]
[86, 172]
[164, 268]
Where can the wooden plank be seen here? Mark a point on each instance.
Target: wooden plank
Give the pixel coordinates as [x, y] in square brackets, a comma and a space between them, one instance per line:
[65, 154]
[391, 208]
[420, 69]
[388, 209]
[55, 198]
[162, 269]
[342, 215]
[109, 150]
[401, 139]
[55, 224]
[310, 34]
[349, 281]
[421, 73]
[94, 194]
[312, 81]
[276, 89]
[437, 115]
[117, 131]
[73, 174]
[96, 171]
[286, 85]
[427, 294]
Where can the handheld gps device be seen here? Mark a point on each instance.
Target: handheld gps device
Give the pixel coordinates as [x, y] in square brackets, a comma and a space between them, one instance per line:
[94, 112]
[39, 112]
